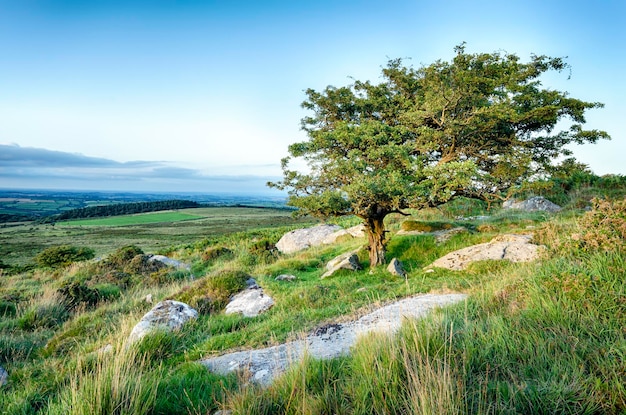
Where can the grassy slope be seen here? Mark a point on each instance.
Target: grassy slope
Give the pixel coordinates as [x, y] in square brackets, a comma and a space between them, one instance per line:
[540, 338]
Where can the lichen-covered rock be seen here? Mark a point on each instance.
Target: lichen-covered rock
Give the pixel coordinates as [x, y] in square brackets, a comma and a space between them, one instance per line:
[349, 261]
[300, 239]
[514, 248]
[395, 268]
[169, 262]
[166, 315]
[538, 203]
[286, 277]
[250, 302]
[326, 342]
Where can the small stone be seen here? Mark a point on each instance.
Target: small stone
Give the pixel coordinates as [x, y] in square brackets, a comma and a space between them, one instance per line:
[168, 315]
[349, 261]
[395, 268]
[285, 277]
[148, 299]
[4, 376]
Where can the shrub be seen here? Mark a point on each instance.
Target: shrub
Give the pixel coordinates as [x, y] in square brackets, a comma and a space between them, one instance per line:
[214, 252]
[122, 257]
[141, 265]
[604, 227]
[76, 293]
[64, 255]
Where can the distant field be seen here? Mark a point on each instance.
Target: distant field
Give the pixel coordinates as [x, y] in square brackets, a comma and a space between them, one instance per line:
[127, 220]
[20, 243]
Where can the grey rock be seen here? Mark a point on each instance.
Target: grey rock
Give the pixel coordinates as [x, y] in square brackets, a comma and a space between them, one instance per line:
[357, 231]
[327, 342]
[395, 268]
[538, 203]
[4, 376]
[166, 315]
[300, 239]
[250, 302]
[170, 262]
[514, 248]
[286, 277]
[349, 261]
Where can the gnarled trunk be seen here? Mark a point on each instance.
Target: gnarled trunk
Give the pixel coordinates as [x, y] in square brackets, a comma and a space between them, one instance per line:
[375, 227]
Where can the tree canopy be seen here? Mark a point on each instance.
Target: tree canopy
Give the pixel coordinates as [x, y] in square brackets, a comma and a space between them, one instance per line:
[475, 126]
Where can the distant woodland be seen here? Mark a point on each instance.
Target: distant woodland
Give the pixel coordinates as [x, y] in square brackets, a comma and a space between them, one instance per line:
[123, 209]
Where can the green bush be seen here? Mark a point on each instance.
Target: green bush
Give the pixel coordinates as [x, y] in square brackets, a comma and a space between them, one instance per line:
[141, 265]
[122, 257]
[213, 252]
[62, 256]
[76, 293]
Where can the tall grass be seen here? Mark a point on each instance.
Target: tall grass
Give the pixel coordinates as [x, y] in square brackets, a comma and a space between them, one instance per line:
[546, 338]
[118, 382]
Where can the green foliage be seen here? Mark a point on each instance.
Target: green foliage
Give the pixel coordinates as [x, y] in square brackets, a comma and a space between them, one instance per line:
[190, 389]
[122, 256]
[211, 293]
[213, 252]
[117, 384]
[62, 256]
[76, 293]
[43, 316]
[475, 127]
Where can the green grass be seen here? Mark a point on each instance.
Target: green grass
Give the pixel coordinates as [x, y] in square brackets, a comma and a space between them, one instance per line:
[20, 244]
[127, 220]
[545, 337]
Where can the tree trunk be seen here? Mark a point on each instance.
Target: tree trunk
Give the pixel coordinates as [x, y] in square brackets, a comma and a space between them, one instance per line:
[376, 237]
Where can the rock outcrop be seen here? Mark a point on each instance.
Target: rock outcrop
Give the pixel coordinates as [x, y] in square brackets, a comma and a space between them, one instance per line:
[515, 248]
[250, 302]
[300, 239]
[4, 376]
[170, 262]
[349, 261]
[166, 315]
[533, 204]
[327, 342]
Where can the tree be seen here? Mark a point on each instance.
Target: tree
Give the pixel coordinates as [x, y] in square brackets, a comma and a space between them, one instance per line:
[474, 127]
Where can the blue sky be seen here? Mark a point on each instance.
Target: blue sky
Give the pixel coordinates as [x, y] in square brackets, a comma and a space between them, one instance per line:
[205, 95]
